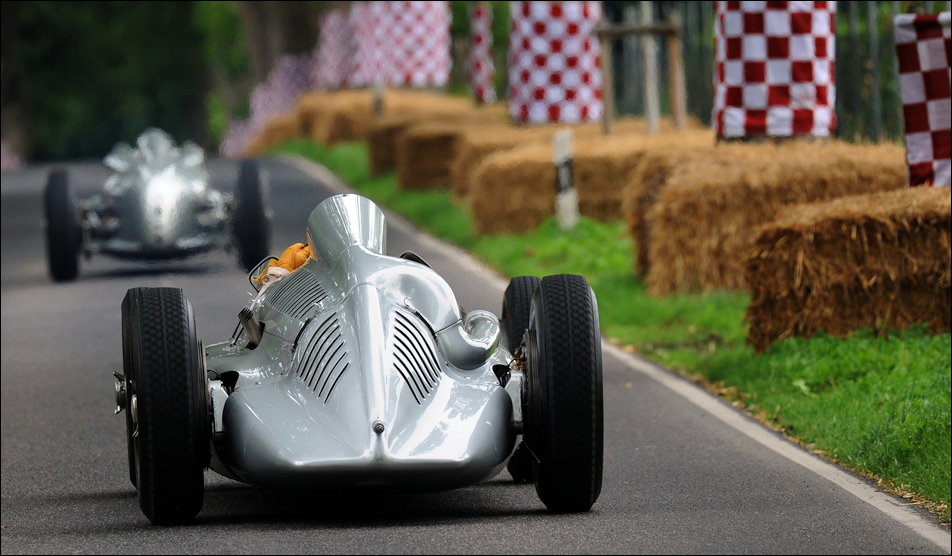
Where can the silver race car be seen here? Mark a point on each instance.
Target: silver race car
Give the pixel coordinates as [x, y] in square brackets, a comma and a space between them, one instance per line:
[156, 205]
[359, 369]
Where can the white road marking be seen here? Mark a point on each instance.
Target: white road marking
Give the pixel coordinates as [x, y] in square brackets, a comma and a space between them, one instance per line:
[712, 405]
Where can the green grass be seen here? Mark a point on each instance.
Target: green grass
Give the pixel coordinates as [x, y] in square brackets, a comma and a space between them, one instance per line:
[877, 402]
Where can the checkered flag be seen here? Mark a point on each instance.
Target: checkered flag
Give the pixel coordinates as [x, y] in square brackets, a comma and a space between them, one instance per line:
[401, 44]
[554, 66]
[482, 71]
[925, 81]
[333, 58]
[774, 69]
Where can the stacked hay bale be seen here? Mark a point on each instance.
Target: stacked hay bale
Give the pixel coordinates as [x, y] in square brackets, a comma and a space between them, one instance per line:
[644, 185]
[702, 225]
[476, 145]
[425, 151]
[514, 190]
[385, 132]
[330, 118]
[278, 129]
[878, 260]
[382, 141]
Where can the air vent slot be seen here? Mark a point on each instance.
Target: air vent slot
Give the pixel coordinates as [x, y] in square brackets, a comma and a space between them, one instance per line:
[414, 355]
[321, 358]
[296, 294]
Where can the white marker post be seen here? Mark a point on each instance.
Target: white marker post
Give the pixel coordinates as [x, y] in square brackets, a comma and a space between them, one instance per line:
[378, 97]
[566, 198]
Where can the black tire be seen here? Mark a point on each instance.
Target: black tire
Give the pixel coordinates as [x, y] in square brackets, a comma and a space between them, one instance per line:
[563, 406]
[251, 224]
[515, 309]
[515, 321]
[171, 417]
[62, 227]
[127, 372]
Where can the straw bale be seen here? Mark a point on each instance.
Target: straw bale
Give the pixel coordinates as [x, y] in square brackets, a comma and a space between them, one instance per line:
[478, 144]
[644, 186]
[601, 167]
[703, 223]
[280, 128]
[424, 153]
[385, 131]
[877, 260]
[382, 141]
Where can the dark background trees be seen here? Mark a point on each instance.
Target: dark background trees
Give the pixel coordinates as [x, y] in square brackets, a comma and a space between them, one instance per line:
[79, 76]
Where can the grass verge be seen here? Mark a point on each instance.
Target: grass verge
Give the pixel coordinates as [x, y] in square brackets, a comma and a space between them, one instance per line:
[877, 402]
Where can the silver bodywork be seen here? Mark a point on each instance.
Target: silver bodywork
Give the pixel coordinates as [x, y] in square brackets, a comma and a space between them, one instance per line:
[367, 373]
[156, 204]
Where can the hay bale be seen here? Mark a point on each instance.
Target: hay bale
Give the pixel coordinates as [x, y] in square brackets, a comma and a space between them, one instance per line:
[478, 144]
[878, 260]
[279, 129]
[424, 154]
[702, 225]
[644, 185]
[601, 166]
[386, 131]
[382, 141]
[499, 202]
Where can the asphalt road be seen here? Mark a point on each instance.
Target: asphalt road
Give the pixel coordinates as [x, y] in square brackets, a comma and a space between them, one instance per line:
[684, 472]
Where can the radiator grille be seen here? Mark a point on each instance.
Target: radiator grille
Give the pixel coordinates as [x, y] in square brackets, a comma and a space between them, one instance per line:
[296, 294]
[414, 356]
[323, 358]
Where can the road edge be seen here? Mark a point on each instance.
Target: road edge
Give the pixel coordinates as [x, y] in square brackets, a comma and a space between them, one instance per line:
[855, 484]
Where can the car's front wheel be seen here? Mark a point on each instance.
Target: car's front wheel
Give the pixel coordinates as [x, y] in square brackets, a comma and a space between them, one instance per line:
[167, 400]
[563, 406]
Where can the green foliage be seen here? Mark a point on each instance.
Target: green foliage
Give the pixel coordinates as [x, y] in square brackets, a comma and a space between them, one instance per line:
[500, 23]
[879, 404]
[94, 73]
[224, 51]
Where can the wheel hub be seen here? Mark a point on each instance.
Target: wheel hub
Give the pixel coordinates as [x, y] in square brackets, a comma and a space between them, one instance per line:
[119, 388]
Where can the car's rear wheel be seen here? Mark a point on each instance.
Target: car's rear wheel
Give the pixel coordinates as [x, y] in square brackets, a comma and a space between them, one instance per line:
[62, 227]
[515, 321]
[168, 406]
[563, 406]
[251, 224]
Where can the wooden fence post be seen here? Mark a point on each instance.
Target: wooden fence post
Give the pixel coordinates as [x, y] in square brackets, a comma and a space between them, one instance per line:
[679, 108]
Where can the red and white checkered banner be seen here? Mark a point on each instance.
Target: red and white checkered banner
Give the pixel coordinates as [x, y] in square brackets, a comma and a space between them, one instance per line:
[401, 44]
[925, 82]
[482, 70]
[287, 80]
[333, 58]
[775, 69]
[554, 66]
[8, 159]
[236, 139]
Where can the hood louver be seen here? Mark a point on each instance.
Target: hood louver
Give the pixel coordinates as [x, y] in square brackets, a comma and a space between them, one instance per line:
[414, 355]
[296, 294]
[323, 359]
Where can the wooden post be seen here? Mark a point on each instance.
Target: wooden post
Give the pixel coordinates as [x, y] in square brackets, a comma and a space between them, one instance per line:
[855, 67]
[652, 107]
[876, 119]
[608, 86]
[679, 108]
[606, 33]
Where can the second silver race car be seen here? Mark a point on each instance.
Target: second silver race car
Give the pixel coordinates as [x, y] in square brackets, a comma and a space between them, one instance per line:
[359, 369]
[157, 205]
